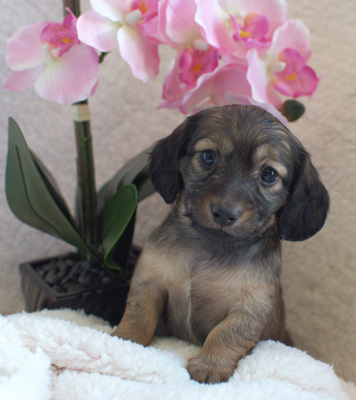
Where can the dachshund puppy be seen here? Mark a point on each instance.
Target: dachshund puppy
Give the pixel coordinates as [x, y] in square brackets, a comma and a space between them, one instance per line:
[239, 182]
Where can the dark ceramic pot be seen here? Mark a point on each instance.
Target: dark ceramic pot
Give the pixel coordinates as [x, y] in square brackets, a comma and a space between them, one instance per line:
[104, 297]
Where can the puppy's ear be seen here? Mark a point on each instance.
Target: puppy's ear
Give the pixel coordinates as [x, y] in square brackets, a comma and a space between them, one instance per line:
[164, 165]
[305, 212]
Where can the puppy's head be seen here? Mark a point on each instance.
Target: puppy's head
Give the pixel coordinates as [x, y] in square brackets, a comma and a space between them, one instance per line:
[237, 171]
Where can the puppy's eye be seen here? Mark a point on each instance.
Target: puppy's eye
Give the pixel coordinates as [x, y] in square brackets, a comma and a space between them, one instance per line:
[269, 176]
[209, 157]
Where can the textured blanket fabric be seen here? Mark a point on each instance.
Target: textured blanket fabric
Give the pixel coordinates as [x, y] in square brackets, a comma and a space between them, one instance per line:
[68, 355]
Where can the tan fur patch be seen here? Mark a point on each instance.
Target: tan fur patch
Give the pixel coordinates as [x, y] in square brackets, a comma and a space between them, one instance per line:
[205, 144]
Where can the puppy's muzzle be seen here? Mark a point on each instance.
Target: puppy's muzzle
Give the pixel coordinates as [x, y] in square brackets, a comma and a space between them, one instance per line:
[224, 215]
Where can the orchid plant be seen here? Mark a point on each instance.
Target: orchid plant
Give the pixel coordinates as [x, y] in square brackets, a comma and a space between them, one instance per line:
[226, 51]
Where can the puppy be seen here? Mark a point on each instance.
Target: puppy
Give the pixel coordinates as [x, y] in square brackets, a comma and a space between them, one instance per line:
[239, 182]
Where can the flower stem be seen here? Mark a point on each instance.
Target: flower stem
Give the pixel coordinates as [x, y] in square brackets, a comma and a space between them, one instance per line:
[102, 56]
[73, 5]
[86, 195]
[86, 198]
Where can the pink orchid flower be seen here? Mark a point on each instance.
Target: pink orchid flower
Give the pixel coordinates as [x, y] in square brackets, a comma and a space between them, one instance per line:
[130, 25]
[184, 72]
[194, 58]
[234, 26]
[282, 70]
[225, 85]
[194, 63]
[50, 57]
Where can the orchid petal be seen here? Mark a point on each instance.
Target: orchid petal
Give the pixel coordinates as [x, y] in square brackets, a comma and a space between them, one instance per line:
[231, 79]
[115, 10]
[98, 31]
[198, 99]
[261, 89]
[212, 88]
[231, 6]
[180, 24]
[70, 78]
[150, 30]
[21, 80]
[257, 76]
[215, 23]
[139, 53]
[185, 60]
[173, 88]
[24, 49]
[162, 24]
[162, 9]
[293, 34]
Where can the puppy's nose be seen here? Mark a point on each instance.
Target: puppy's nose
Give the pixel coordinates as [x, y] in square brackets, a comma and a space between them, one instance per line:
[225, 216]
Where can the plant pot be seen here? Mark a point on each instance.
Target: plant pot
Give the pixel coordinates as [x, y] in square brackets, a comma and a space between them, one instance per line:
[105, 298]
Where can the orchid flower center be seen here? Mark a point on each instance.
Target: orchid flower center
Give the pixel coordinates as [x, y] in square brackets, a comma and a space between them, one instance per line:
[58, 38]
[197, 67]
[143, 6]
[244, 34]
[195, 61]
[200, 44]
[291, 77]
[293, 63]
[142, 11]
[133, 17]
[276, 66]
[251, 29]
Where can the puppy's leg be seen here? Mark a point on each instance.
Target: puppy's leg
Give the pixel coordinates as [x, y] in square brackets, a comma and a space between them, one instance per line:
[144, 306]
[225, 345]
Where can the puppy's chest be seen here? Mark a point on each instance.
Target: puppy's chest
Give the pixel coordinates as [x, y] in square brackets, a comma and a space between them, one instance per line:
[200, 295]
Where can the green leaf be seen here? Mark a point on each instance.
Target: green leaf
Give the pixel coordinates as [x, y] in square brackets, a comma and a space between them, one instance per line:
[135, 172]
[121, 252]
[134, 169]
[292, 110]
[117, 215]
[52, 186]
[32, 195]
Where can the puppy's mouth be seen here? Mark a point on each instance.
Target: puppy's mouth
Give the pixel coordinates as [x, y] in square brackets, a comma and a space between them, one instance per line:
[238, 233]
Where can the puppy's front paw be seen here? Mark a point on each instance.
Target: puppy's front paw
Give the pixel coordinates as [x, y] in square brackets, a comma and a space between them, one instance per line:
[128, 331]
[206, 369]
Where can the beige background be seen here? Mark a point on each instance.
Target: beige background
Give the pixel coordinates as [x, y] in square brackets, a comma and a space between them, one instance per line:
[319, 276]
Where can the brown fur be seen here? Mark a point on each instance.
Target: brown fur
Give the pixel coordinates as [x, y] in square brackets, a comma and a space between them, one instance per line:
[213, 283]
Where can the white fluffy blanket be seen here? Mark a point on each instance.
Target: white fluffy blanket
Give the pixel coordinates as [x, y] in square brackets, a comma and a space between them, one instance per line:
[68, 355]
